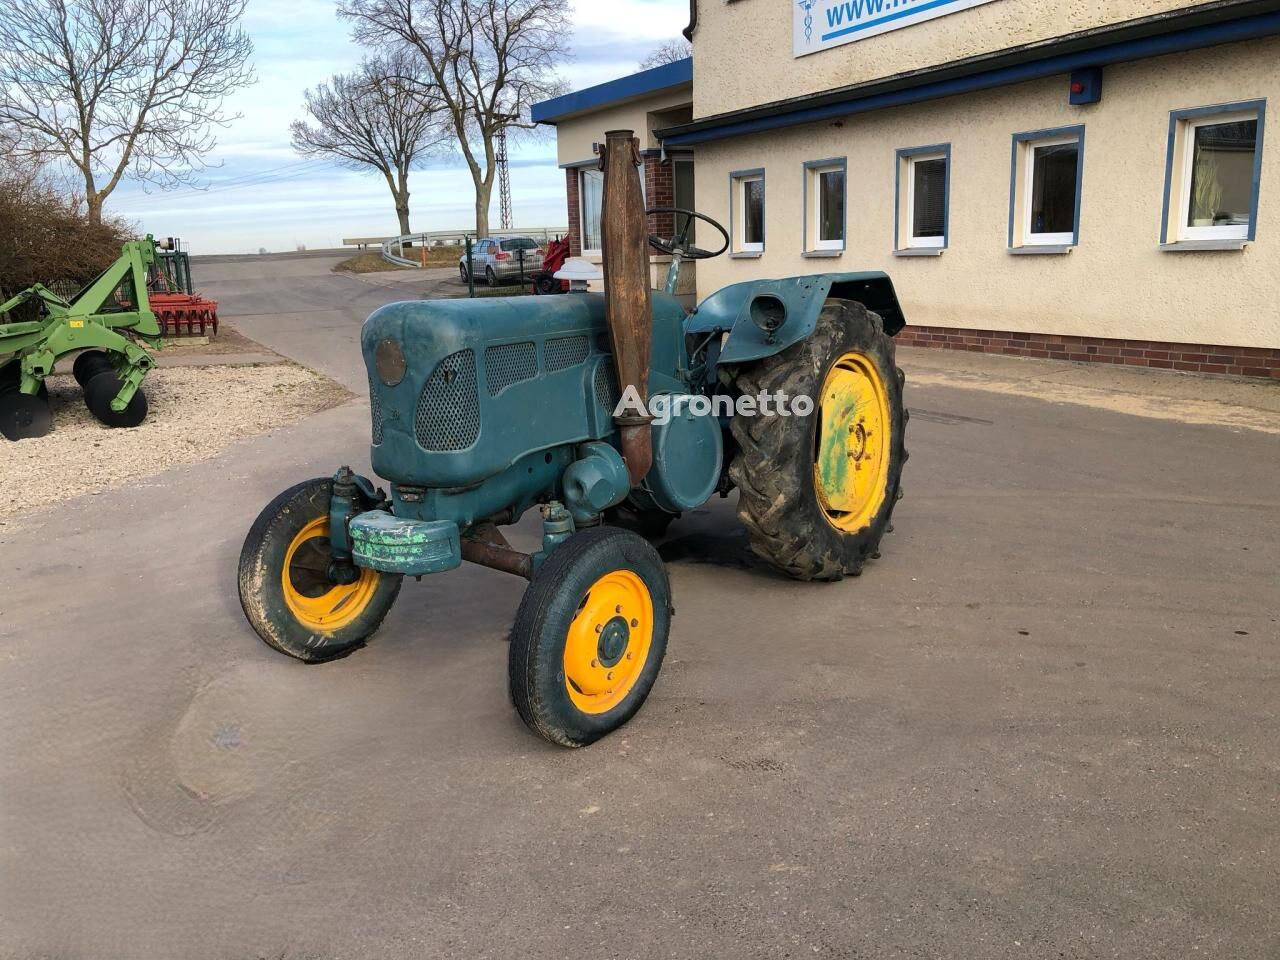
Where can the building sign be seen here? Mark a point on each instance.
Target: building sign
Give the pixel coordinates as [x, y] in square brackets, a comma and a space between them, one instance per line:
[823, 24]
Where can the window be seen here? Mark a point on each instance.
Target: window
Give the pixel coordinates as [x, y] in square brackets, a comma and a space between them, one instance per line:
[747, 212]
[590, 201]
[923, 191]
[824, 197]
[1215, 160]
[1045, 202]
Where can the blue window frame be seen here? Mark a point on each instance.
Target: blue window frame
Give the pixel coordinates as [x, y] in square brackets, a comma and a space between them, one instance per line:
[922, 198]
[1213, 173]
[1046, 180]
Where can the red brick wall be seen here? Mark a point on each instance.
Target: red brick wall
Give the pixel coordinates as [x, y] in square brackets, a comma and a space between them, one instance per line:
[575, 218]
[1198, 358]
[660, 191]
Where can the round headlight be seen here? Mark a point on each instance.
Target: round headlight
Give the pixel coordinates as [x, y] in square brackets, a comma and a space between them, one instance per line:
[388, 359]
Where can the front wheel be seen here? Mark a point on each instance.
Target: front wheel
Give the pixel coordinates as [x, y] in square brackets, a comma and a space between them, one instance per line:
[287, 588]
[817, 491]
[590, 636]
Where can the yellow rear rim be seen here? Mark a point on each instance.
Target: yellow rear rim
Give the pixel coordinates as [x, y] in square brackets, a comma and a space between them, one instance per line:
[318, 603]
[608, 642]
[851, 469]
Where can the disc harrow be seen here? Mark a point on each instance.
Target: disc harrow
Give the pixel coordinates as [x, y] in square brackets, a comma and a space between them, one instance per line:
[109, 323]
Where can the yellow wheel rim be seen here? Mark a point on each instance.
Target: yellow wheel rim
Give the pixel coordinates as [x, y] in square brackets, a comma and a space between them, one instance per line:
[850, 471]
[608, 642]
[318, 603]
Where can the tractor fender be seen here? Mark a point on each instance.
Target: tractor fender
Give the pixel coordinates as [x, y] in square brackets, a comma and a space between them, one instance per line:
[765, 317]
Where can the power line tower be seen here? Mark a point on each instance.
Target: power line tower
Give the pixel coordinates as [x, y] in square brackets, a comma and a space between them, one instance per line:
[504, 180]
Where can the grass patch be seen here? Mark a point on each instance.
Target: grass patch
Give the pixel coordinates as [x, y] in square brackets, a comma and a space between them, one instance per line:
[510, 291]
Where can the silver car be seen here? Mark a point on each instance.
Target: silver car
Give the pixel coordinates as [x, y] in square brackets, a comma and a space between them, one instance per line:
[499, 260]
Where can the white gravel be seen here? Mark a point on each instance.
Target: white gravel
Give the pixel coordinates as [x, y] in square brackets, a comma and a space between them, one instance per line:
[194, 413]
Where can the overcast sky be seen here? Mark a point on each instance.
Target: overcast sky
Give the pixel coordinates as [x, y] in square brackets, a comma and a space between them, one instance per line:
[264, 195]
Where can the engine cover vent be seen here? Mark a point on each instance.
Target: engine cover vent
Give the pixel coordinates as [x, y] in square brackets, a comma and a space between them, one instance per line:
[508, 364]
[375, 408]
[448, 415]
[606, 386]
[566, 352]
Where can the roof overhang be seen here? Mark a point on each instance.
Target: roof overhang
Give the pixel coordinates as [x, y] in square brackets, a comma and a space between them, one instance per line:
[646, 83]
[1189, 28]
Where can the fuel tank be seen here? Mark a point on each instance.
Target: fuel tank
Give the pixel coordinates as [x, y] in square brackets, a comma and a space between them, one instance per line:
[462, 389]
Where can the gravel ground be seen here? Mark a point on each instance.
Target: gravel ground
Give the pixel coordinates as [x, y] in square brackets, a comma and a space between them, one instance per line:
[195, 412]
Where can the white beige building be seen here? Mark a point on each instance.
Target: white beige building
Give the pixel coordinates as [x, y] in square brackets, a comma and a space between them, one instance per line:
[1039, 177]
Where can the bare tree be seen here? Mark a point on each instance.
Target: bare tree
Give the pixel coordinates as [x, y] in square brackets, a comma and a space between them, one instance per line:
[374, 118]
[120, 86]
[487, 60]
[669, 52]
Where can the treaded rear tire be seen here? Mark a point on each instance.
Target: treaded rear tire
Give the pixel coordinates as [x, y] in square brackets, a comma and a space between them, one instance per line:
[773, 469]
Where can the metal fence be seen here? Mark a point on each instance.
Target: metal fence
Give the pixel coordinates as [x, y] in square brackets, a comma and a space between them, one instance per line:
[393, 247]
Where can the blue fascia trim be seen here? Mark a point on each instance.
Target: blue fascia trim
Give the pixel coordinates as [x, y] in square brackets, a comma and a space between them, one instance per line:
[644, 83]
[1032, 135]
[831, 163]
[1246, 28]
[734, 177]
[1194, 113]
[903, 153]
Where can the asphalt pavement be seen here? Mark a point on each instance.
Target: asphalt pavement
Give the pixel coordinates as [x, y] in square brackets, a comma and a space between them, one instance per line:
[1043, 724]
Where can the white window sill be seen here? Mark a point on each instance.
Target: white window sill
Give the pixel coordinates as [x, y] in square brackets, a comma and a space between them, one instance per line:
[1199, 246]
[919, 252]
[815, 254]
[1042, 249]
[746, 255]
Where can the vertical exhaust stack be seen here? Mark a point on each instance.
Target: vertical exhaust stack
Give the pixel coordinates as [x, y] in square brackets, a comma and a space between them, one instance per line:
[626, 290]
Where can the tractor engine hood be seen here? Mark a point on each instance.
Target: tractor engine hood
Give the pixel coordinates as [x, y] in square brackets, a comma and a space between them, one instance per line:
[462, 389]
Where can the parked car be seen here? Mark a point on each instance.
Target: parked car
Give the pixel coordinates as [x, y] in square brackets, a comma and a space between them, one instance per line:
[500, 260]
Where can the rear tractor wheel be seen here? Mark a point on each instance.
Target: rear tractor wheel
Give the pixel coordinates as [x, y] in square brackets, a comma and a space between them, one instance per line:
[817, 492]
[590, 636]
[291, 592]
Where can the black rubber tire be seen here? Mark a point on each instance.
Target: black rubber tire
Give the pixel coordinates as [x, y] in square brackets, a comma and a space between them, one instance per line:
[491, 278]
[262, 588]
[101, 390]
[22, 416]
[536, 673]
[89, 364]
[462, 271]
[773, 468]
[546, 285]
[650, 524]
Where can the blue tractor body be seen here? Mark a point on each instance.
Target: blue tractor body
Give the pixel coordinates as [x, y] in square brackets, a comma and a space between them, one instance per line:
[487, 407]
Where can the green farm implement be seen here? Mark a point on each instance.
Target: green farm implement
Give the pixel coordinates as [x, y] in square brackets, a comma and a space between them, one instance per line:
[105, 323]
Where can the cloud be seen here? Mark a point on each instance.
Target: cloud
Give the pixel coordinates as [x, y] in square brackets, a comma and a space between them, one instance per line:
[260, 195]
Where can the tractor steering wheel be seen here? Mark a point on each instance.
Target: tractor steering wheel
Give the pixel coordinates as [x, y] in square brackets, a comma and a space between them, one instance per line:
[680, 242]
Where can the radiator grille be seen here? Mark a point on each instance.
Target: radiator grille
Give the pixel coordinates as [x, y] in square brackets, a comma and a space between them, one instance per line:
[606, 387]
[449, 409]
[566, 352]
[375, 409]
[508, 364]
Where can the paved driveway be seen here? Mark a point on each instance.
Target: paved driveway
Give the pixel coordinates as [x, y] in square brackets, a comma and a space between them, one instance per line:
[1043, 725]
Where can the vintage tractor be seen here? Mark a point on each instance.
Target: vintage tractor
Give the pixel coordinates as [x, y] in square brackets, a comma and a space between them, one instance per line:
[107, 320]
[484, 409]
